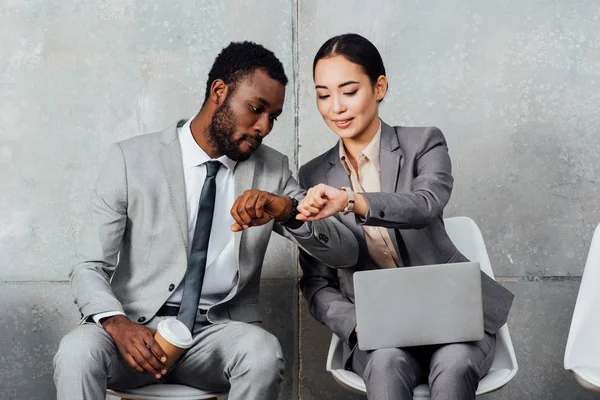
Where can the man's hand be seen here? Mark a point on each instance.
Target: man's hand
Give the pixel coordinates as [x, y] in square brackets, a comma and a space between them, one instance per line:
[137, 345]
[322, 201]
[256, 208]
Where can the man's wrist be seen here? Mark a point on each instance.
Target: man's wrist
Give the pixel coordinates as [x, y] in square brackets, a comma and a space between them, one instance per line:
[290, 213]
[287, 209]
[109, 321]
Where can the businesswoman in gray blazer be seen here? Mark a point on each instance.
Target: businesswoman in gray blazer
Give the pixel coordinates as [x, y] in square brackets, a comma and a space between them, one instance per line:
[389, 185]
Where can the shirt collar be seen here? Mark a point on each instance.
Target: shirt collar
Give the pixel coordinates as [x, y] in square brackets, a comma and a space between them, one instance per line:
[371, 152]
[193, 155]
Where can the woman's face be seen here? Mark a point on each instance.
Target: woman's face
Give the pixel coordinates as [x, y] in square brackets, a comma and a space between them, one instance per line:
[346, 98]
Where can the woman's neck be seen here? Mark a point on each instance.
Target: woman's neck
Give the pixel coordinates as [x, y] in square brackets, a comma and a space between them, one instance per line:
[355, 145]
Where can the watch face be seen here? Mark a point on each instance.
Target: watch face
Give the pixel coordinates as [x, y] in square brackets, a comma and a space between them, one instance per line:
[295, 207]
[293, 213]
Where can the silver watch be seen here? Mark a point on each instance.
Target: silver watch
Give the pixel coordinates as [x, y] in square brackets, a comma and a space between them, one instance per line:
[350, 205]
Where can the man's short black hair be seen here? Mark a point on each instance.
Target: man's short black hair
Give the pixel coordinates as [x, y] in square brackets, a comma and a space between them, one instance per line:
[239, 59]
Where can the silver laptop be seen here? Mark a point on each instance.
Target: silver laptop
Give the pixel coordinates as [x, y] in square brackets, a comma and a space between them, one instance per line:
[415, 306]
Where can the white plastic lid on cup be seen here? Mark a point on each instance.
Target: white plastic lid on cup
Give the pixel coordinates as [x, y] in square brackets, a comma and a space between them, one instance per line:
[175, 332]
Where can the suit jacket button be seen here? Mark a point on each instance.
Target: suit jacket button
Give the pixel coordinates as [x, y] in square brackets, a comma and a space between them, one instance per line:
[325, 239]
[382, 214]
[141, 319]
[171, 287]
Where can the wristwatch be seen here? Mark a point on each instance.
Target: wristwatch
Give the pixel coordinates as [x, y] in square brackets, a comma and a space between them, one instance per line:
[350, 205]
[293, 212]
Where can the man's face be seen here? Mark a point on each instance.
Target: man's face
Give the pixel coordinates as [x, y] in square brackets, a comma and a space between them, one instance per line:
[247, 115]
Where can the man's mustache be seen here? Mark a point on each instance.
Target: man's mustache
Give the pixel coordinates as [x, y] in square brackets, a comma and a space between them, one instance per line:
[254, 140]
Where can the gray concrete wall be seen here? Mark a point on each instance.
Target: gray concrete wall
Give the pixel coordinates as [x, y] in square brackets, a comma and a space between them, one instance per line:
[514, 85]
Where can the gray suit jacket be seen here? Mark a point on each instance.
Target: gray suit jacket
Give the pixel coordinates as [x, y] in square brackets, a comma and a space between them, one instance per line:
[416, 184]
[133, 247]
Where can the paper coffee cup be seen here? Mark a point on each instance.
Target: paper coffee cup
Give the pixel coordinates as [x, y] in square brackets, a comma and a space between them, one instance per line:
[174, 338]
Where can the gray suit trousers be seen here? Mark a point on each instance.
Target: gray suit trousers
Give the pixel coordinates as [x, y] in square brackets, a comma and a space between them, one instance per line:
[453, 371]
[241, 358]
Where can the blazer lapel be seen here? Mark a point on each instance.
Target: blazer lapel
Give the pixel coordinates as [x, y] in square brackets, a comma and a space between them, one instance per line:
[243, 178]
[337, 175]
[173, 167]
[390, 161]
[390, 158]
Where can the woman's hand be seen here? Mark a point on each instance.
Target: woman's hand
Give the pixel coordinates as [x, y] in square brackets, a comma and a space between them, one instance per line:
[322, 201]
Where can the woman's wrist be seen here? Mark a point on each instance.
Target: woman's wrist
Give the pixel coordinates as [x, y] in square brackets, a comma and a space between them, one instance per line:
[354, 202]
[347, 206]
[361, 205]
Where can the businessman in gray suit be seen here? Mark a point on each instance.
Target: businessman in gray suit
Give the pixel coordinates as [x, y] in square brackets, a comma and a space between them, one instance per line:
[178, 226]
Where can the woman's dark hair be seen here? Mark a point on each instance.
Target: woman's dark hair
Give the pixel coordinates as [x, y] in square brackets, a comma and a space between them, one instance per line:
[356, 49]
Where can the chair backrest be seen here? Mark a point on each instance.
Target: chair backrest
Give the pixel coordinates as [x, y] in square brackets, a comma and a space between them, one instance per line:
[582, 348]
[467, 238]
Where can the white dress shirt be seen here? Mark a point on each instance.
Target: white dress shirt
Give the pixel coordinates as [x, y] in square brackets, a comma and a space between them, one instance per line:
[221, 263]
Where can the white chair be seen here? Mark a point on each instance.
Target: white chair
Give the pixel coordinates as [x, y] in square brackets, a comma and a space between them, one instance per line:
[164, 392]
[465, 234]
[582, 354]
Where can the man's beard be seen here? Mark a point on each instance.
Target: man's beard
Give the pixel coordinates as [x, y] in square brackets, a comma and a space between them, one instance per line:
[221, 131]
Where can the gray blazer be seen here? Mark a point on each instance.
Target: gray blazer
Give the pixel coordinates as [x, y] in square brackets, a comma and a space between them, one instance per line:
[416, 184]
[133, 247]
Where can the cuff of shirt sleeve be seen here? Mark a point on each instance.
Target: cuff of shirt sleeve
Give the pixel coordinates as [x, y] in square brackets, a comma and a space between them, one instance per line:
[99, 316]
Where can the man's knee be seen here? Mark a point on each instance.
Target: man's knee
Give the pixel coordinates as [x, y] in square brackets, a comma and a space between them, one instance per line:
[261, 352]
[86, 346]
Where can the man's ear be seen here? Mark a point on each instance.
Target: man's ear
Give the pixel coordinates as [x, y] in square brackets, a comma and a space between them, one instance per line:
[218, 92]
